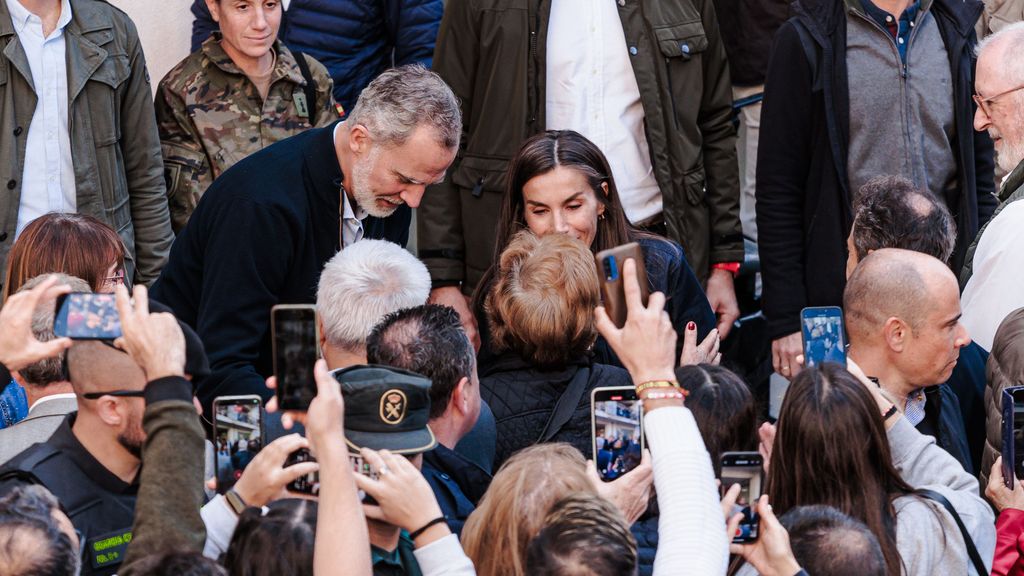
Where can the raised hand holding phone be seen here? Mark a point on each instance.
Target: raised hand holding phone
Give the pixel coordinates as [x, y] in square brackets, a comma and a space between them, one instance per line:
[771, 555]
[18, 345]
[154, 341]
[646, 344]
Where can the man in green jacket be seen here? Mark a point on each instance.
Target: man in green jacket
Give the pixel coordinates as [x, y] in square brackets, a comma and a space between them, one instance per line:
[646, 81]
[79, 129]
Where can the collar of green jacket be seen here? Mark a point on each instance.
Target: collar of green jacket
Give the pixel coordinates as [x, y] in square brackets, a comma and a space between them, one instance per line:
[85, 17]
[285, 66]
[1013, 182]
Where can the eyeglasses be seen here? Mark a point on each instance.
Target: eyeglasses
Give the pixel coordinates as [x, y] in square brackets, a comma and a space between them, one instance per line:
[984, 103]
[117, 393]
[115, 280]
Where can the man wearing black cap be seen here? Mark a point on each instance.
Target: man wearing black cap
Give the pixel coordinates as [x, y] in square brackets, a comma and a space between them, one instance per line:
[388, 409]
[92, 462]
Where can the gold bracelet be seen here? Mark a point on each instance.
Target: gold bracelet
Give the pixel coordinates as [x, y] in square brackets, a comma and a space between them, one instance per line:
[656, 384]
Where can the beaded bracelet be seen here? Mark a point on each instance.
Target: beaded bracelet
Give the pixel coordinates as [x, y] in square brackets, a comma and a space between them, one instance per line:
[656, 384]
[664, 395]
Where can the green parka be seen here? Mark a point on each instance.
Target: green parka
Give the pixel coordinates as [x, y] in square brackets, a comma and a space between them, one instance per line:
[492, 54]
[119, 173]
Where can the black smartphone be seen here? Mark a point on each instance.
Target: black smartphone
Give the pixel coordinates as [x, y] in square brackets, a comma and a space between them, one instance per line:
[747, 470]
[308, 484]
[296, 349]
[613, 292]
[823, 334]
[238, 436]
[616, 430]
[87, 316]
[1013, 435]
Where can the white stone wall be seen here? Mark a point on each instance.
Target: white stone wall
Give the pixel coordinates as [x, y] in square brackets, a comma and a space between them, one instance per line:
[165, 28]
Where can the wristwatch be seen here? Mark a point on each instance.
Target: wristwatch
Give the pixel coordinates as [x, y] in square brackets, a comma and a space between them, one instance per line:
[235, 502]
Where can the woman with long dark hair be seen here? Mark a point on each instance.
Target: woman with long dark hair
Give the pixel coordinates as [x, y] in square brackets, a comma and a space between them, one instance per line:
[560, 182]
[840, 443]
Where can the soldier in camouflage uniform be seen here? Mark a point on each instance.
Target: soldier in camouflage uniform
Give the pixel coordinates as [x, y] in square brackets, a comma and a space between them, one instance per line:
[211, 115]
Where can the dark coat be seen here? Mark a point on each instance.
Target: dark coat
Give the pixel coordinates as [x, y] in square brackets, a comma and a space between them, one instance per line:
[355, 39]
[944, 421]
[968, 384]
[523, 398]
[803, 200]
[747, 30]
[493, 55]
[458, 484]
[260, 237]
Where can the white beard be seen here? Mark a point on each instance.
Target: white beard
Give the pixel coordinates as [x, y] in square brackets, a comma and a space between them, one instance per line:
[361, 189]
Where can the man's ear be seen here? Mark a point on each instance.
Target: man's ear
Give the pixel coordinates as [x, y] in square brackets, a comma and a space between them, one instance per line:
[896, 333]
[321, 332]
[460, 396]
[111, 410]
[359, 139]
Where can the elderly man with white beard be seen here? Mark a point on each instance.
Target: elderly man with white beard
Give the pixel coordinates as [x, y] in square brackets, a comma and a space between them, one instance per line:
[994, 267]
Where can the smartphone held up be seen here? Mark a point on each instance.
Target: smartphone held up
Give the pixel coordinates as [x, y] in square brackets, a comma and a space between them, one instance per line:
[824, 335]
[296, 343]
[747, 470]
[1013, 435]
[610, 269]
[616, 425]
[87, 316]
[238, 436]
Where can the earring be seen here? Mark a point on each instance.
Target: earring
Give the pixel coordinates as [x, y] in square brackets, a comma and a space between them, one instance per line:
[601, 217]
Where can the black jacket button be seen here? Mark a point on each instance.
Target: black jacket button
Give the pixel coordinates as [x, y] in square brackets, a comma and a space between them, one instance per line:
[11, 184]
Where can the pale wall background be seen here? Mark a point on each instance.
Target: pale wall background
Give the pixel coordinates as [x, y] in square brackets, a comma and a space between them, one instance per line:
[165, 28]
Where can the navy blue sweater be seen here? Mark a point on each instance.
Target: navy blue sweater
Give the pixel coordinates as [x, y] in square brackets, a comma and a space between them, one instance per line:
[260, 236]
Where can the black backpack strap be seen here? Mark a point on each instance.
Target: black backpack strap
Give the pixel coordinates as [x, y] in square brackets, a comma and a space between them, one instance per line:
[309, 89]
[566, 405]
[972, 551]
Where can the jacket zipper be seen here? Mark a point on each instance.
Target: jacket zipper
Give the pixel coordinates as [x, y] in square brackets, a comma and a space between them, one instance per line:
[904, 91]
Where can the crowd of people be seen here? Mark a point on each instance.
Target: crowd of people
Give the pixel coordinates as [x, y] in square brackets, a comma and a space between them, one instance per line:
[757, 159]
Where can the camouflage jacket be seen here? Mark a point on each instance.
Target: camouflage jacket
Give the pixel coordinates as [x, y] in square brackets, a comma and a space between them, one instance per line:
[210, 116]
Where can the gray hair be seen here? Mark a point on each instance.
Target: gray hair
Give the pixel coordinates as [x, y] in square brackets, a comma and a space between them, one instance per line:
[1012, 64]
[362, 284]
[395, 103]
[48, 370]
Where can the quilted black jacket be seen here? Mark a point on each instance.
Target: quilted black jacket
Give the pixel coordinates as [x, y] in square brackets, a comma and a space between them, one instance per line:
[523, 398]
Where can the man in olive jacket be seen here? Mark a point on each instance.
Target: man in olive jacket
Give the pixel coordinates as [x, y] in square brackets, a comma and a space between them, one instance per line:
[94, 151]
[496, 56]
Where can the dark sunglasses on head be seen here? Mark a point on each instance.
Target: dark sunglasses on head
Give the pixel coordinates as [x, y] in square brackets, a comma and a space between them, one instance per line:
[119, 393]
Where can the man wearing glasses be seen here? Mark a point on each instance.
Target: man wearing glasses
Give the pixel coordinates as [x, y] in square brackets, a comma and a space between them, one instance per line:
[994, 269]
[857, 89]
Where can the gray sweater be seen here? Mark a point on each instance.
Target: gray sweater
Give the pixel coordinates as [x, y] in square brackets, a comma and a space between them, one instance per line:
[926, 535]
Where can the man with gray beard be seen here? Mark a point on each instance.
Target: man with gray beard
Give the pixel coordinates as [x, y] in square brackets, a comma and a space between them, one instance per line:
[267, 226]
[994, 268]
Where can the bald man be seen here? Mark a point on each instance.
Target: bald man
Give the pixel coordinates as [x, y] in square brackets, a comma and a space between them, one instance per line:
[902, 312]
[92, 461]
[994, 269]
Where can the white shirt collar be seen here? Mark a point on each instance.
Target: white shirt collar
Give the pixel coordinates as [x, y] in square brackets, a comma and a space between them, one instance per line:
[20, 15]
[65, 396]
